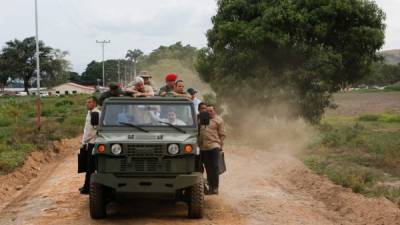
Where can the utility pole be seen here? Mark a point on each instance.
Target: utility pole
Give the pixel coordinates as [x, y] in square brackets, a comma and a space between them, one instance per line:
[38, 102]
[102, 45]
[119, 74]
[125, 74]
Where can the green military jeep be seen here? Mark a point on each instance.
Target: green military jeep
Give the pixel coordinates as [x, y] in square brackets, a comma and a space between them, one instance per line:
[146, 148]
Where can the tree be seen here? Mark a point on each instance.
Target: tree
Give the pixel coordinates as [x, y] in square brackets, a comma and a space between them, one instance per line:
[382, 74]
[4, 73]
[133, 57]
[93, 71]
[20, 62]
[299, 51]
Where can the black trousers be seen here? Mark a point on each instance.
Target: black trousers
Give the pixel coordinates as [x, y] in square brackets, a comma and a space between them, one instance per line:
[210, 160]
[90, 165]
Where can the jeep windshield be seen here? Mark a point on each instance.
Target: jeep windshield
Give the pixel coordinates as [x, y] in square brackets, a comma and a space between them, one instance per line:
[148, 115]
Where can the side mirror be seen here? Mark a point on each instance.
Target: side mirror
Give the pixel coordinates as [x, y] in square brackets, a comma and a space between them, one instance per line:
[94, 118]
[204, 118]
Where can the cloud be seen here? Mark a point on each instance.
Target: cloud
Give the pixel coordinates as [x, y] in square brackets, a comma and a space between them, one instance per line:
[74, 25]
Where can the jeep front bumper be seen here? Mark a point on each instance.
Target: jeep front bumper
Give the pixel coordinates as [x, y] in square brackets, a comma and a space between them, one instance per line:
[147, 184]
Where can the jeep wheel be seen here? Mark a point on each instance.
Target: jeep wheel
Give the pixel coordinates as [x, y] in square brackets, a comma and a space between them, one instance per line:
[196, 200]
[97, 201]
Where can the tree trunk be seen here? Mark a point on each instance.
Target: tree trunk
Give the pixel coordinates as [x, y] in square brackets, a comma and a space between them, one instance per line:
[26, 84]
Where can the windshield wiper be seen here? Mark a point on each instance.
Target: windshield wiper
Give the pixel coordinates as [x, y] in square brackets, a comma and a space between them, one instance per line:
[171, 125]
[135, 126]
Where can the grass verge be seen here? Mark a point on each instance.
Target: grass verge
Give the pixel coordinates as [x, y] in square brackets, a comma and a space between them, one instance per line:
[62, 117]
[361, 153]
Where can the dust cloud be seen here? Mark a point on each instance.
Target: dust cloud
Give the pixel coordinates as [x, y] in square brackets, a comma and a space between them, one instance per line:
[271, 128]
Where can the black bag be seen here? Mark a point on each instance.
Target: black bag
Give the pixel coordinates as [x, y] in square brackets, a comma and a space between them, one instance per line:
[82, 160]
[221, 163]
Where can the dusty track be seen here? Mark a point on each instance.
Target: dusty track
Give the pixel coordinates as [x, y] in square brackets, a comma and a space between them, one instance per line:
[260, 188]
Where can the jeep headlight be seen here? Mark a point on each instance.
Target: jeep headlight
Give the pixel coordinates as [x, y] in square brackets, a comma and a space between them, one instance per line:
[116, 149]
[173, 149]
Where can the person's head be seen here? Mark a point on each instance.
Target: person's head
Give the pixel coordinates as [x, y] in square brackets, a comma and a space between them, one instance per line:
[146, 78]
[202, 107]
[91, 103]
[179, 86]
[192, 92]
[114, 89]
[171, 115]
[211, 110]
[138, 82]
[170, 80]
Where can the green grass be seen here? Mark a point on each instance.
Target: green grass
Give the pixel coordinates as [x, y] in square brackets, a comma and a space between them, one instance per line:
[62, 117]
[361, 153]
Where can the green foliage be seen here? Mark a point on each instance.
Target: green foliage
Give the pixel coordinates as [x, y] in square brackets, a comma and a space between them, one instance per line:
[360, 153]
[384, 117]
[185, 54]
[17, 60]
[19, 136]
[368, 117]
[94, 71]
[394, 87]
[383, 74]
[13, 156]
[295, 51]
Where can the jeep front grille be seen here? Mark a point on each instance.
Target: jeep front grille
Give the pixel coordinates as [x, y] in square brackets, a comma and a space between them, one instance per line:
[145, 165]
[144, 150]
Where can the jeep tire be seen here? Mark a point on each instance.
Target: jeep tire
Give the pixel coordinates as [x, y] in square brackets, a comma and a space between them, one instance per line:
[196, 200]
[97, 201]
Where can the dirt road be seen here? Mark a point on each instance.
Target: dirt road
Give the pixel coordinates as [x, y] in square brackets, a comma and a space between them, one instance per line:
[260, 187]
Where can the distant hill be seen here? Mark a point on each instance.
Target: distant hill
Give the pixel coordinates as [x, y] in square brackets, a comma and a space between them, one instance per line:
[191, 77]
[392, 56]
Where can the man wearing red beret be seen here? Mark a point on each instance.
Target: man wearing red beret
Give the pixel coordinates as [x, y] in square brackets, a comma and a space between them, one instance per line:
[170, 84]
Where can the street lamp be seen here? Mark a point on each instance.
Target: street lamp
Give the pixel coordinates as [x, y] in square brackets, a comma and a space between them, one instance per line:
[102, 44]
[38, 103]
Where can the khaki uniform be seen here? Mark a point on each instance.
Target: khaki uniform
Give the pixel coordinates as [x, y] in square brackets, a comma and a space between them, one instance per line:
[213, 135]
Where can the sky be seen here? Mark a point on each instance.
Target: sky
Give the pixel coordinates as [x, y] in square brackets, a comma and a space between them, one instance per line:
[75, 25]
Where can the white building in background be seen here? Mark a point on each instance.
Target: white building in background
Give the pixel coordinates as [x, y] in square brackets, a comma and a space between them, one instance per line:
[71, 89]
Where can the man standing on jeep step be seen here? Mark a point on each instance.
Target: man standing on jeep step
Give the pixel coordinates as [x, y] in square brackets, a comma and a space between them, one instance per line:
[211, 143]
[89, 133]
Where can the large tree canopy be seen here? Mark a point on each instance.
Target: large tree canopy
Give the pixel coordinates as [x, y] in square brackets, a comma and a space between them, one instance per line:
[299, 51]
[17, 60]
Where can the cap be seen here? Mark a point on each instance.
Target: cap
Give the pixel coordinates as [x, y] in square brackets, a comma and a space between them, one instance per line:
[171, 77]
[191, 91]
[144, 74]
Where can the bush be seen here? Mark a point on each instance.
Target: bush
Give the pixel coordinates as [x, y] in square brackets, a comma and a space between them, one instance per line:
[390, 118]
[5, 122]
[64, 118]
[385, 117]
[394, 87]
[368, 117]
[64, 102]
[13, 156]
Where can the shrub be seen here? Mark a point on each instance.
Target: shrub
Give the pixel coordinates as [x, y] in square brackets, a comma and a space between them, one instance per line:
[64, 102]
[394, 87]
[368, 117]
[5, 122]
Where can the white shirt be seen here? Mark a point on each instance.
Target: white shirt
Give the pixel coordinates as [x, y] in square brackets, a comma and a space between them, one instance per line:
[196, 103]
[89, 131]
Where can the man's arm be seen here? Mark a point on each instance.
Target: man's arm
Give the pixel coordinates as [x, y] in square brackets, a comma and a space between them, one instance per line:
[181, 95]
[221, 131]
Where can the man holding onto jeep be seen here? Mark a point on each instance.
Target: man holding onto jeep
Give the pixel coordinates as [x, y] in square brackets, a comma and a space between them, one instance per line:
[211, 143]
[89, 133]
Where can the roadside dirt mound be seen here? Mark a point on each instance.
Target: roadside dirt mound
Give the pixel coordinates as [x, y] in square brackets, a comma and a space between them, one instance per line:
[37, 163]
